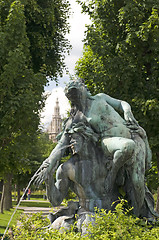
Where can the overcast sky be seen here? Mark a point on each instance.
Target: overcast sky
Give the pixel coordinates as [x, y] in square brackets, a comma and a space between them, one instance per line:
[77, 22]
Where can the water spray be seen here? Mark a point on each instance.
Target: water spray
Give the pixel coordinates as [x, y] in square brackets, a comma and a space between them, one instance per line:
[19, 204]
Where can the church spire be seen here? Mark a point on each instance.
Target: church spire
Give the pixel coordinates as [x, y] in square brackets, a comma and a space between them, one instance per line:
[57, 108]
[56, 124]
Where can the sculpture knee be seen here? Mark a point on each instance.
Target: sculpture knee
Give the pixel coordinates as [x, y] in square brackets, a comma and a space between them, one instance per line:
[128, 148]
[125, 152]
[105, 148]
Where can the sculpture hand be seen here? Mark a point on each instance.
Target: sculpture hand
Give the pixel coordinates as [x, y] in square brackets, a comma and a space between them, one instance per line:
[141, 132]
[130, 120]
[42, 173]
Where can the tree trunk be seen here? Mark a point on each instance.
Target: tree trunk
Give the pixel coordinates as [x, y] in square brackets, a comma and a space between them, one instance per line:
[157, 203]
[6, 201]
[18, 194]
[1, 188]
[2, 199]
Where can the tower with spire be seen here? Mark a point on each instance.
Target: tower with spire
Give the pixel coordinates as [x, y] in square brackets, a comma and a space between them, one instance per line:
[56, 124]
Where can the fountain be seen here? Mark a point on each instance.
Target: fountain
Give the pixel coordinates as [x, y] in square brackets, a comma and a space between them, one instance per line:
[109, 153]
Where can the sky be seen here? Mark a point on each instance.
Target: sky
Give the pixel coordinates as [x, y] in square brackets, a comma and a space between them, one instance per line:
[77, 24]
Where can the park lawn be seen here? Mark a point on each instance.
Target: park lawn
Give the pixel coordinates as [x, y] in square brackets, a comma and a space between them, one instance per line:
[38, 203]
[5, 217]
[31, 203]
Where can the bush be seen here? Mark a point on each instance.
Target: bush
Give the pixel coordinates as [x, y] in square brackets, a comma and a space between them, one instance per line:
[33, 228]
[119, 224]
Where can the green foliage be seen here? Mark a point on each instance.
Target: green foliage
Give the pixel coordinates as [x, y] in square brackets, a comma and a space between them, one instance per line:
[32, 46]
[46, 29]
[119, 224]
[116, 42]
[121, 57]
[31, 228]
[20, 88]
[40, 150]
[45, 25]
[36, 154]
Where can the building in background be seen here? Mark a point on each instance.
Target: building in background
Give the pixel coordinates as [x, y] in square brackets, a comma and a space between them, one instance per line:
[55, 126]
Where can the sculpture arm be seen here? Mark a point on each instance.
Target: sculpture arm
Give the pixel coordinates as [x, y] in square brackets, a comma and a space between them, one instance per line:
[58, 152]
[56, 192]
[133, 125]
[128, 115]
[123, 106]
[52, 162]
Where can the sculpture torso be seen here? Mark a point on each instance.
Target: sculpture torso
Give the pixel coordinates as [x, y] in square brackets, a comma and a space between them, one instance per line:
[87, 181]
[87, 172]
[105, 120]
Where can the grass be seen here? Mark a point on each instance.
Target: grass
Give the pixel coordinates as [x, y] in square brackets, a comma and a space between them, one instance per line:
[36, 203]
[5, 217]
[37, 199]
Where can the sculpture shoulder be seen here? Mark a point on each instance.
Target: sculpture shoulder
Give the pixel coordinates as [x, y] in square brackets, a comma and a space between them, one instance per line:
[99, 96]
[103, 97]
[99, 101]
[66, 170]
[113, 102]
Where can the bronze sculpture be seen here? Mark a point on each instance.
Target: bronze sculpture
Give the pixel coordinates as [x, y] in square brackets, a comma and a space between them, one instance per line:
[108, 153]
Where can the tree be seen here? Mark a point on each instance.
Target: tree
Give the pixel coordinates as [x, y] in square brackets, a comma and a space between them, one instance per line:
[39, 151]
[121, 57]
[46, 26]
[31, 48]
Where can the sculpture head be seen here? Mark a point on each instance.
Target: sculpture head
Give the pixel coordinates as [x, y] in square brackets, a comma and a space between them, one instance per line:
[80, 135]
[75, 90]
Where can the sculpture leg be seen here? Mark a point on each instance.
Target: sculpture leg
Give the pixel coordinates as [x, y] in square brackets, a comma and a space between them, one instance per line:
[136, 173]
[121, 149]
[83, 221]
[63, 223]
